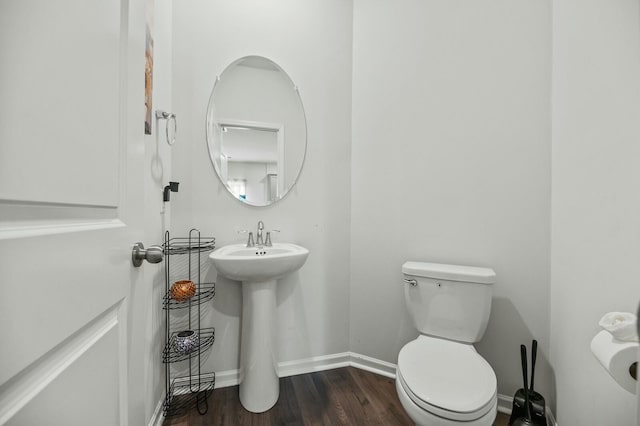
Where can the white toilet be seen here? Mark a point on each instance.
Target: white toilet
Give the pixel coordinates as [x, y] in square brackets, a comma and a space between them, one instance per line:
[441, 379]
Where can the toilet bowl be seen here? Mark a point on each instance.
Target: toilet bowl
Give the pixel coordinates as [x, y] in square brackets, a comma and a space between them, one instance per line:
[441, 379]
[445, 383]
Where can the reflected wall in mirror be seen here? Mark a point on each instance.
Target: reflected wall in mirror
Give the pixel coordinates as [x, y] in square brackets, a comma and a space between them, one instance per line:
[256, 131]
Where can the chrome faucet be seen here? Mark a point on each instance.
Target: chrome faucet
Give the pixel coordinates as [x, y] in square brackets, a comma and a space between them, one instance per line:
[259, 240]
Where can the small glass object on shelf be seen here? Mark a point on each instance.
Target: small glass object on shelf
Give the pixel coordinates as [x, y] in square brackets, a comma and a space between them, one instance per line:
[186, 342]
[204, 293]
[183, 290]
[173, 352]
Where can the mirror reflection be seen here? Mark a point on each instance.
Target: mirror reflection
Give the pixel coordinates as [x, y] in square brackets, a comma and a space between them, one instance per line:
[256, 131]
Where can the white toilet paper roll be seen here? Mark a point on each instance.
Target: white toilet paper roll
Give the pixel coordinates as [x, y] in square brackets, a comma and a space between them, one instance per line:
[616, 357]
[623, 325]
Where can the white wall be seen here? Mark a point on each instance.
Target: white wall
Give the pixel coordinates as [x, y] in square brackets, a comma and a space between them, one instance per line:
[451, 163]
[311, 41]
[595, 204]
[157, 175]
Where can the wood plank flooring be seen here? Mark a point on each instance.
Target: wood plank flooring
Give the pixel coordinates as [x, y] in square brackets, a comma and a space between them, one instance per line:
[344, 396]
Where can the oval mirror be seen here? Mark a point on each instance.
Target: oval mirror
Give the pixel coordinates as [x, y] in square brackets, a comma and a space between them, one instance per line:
[256, 131]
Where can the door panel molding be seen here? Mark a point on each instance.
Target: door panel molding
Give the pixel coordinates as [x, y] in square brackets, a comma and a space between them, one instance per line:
[24, 219]
[27, 384]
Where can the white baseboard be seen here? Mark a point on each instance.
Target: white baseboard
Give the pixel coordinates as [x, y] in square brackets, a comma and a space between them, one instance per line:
[328, 362]
[313, 364]
[157, 418]
[227, 378]
[504, 404]
[363, 362]
[317, 363]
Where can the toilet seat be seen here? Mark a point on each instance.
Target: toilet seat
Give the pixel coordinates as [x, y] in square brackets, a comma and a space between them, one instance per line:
[446, 378]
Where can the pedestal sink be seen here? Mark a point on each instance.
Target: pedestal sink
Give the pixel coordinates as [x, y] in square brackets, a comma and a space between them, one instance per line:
[259, 269]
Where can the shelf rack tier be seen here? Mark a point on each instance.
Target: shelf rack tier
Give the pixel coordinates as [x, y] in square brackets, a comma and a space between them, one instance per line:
[204, 293]
[187, 392]
[206, 337]
[184, 245]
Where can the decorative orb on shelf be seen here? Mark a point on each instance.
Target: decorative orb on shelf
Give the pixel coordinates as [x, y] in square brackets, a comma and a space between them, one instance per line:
[183, 290]
[186, 342]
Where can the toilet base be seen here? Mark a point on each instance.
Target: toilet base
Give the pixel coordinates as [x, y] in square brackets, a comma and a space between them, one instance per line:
[425, 418]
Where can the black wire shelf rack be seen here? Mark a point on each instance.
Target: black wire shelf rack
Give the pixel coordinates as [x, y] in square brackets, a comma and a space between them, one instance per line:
[187, 392]
[184, 393]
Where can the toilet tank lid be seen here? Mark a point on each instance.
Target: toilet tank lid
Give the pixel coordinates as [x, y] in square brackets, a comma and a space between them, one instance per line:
[443, 271]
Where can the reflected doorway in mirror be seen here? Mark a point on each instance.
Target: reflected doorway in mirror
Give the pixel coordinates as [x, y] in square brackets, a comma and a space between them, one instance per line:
[252, 154]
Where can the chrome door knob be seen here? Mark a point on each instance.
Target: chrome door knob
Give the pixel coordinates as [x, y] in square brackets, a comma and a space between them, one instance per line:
[153, 254]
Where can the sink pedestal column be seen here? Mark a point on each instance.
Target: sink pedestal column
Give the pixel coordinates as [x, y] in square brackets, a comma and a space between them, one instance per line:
[259, 382]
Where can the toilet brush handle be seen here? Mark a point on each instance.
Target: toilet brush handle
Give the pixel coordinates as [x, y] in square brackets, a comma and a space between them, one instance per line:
[523, 357]
[534, 353]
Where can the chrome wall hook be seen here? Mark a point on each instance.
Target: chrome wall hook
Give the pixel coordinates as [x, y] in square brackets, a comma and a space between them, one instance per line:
[170, 117]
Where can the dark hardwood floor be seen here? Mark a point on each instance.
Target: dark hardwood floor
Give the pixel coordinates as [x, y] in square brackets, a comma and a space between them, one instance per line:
[344, 396]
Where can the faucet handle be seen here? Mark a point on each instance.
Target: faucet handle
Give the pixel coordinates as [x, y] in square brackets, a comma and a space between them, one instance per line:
[267, 241]
[250, 242]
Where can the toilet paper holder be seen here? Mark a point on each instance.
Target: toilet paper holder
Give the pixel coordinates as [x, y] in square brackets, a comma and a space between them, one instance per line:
[619, 359]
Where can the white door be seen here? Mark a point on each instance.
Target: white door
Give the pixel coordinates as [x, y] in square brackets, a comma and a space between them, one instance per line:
[71, 151]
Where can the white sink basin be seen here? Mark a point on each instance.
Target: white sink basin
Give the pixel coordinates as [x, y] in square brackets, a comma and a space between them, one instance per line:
[256, 264]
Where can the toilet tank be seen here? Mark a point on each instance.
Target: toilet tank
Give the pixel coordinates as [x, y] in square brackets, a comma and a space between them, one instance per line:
[449, 301]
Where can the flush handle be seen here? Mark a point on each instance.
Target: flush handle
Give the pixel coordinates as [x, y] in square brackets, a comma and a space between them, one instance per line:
[153, 254]
[412, 282]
